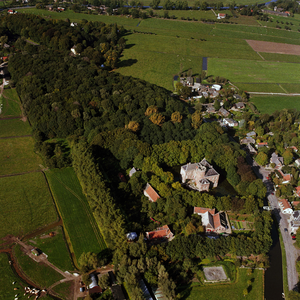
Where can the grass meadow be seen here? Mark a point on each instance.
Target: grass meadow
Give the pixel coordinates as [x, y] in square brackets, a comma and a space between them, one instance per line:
[78, 220]
[14, 127]
[261, 87]
[269, 104]
[55, 247]
[7, 278]
[41, 274]
[11, 104]
[26, 204]
[281, 57]
[231, 291]
[65, 290]
[17, 156]
[250, 71]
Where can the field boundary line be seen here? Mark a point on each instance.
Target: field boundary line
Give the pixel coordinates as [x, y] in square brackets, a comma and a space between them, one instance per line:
[88, 212]
[15, 137]
[260, 55]
[283, 88]
[18, 174]
[278, 94]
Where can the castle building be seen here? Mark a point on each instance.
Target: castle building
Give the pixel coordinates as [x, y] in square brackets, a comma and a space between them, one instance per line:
[200, 176]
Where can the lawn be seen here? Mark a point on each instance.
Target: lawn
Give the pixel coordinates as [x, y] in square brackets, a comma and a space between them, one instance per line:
[281, 57]
[26, 204]
[78, 219]
[14, 127]
[232, 291]
[17, 156]
[269, 104]
[39, 273]
[252, 71]
[55, 247]
[7, 278]
[11, 103]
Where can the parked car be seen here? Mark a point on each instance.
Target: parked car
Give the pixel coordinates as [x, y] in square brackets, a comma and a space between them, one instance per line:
[285, 230]
[293, 237]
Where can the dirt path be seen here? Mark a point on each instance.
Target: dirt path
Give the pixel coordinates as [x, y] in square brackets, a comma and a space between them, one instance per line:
[18, 174]
[278, 94]
[10, 118]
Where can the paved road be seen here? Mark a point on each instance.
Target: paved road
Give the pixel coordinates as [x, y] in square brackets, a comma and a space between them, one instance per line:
[282, 219]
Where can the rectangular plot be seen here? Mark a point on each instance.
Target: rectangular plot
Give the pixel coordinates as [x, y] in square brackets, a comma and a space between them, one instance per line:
[264, 87]
[281, 57]
[11, 103]
[75, 211]
[17, 156]
[14, 127]
[262, 46]
[291, 88]
[26, 204]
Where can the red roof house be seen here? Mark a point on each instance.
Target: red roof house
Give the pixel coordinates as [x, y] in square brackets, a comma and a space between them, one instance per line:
[150, 193]
[160, 234]
[298, 191]
[201, 210]
[285, 206]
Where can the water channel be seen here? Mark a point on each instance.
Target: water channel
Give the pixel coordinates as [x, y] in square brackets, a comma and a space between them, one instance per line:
[273, 275]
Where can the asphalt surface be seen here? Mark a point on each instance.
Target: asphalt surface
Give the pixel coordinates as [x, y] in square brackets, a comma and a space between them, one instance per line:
[291, 252]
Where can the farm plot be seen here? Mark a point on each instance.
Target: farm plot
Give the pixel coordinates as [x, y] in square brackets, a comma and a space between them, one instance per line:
[80, 225]
[55, 247]
[281, 57]
[260, 87]
[269, 104]
[251, 71]
[26, 204]
[11, 104]
[17, 156]
[14, 127]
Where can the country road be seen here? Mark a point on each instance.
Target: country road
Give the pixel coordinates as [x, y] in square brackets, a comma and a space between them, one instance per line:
[291, 252]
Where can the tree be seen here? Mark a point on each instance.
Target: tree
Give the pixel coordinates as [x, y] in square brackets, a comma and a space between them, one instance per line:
[261, 158]
[176, 117]
[104, 281]
[217, 105]
[245, 292]
[157, 119]
[287, 156]
[154, 4]
[85, 278]
[197, 119]
[88, 261]
[133, 126]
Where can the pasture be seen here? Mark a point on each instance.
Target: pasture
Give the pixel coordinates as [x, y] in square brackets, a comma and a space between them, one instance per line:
[81, 228]
[55, 247]
[230, 291]
[269, 104]
[7, 278]
[252, 71]
[39, 273]
[26, 204]
[65, 290]
[17, 156]
[14, 127]
[11, 104]
[260, 87]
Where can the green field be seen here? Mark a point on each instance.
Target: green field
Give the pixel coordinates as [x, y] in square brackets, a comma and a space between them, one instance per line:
[261, 87]
[251, 71]
[26, 204]
[78, 219]
[233, 291]
[39, 273]
[55, 247]
[269, 104]
[17, 156]
[14, 127]
[7, 278]
[11, 103]
[65, 290]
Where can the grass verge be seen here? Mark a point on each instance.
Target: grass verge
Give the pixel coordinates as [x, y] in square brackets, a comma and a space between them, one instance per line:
[14, 127]
[11, 104]
[26, 204]
[79, 222]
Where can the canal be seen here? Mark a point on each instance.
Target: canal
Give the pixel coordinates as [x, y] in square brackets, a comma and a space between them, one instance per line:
[273, 275]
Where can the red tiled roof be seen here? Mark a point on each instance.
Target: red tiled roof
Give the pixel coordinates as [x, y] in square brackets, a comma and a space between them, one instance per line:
[295, 203]
[263, 143]
[201, 210]
[159, 233]
[217, 221]
[152, 195]
[285, 203]
[297, 191]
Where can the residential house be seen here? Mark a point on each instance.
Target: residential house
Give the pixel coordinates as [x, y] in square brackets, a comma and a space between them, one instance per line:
[297, 191]
[278, 161]
[201, 175]
[11, 11]
[210, 109]
[94, 288]
[250, 149]
[297, 162]
[294, 148]
[132, 171]
[286, 178]
[217, 87]
[240, 105]
[190, 80]
[161, 234]
[259, 145]
[230, 122]
[73, 24]
[237, 97]
[251, 133]
[276, 13]
[285, 206]
[150, 193]
[213, 222]
[73, 50]
[224, 112]
[221, 16]
[247, 140]
[294, 221]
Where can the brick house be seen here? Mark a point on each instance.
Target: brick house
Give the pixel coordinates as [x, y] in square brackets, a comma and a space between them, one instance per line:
[150, 193]
[161, 234]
